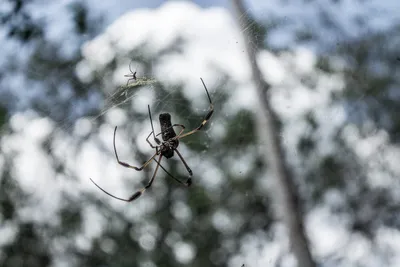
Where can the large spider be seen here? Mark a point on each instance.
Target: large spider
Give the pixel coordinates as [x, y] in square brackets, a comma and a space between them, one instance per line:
[165, 148]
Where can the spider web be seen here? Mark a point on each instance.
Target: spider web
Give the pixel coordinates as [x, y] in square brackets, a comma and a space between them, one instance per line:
[84, 148]
[124, 94]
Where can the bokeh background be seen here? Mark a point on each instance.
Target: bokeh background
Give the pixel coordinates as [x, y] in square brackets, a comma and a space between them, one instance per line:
[333, 67]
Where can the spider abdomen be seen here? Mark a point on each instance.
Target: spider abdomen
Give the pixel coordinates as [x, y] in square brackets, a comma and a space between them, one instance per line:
[168, 153]
[166, 127]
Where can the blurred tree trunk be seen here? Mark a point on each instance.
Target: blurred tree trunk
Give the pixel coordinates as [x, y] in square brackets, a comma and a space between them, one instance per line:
[286, 204]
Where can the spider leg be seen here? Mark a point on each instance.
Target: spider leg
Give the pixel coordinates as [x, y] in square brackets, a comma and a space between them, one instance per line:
[130, 79]
[179, 125]
[130, 67]
[126, 164]
[189, 180]
[138, 193]
[187, 183]
[175, 125]
[152, 128]
[206, 118]
[184, 162]
[148, 141]
[111, 195]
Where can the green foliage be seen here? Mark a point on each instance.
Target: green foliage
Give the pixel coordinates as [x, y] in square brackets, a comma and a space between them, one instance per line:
[372, 81]
[241, 130]
[80, 17]
[3, 116]
[27, 249]
[71, 218]
[20, 24]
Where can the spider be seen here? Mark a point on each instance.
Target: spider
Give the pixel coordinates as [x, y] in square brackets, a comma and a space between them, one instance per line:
[165, 148]
[132, 75]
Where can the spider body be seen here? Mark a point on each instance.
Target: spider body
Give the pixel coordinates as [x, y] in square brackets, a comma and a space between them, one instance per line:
[169, 143]
[131, 76]
[165, 148]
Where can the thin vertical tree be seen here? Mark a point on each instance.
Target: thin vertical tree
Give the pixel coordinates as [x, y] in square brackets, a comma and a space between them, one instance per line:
[286, 204]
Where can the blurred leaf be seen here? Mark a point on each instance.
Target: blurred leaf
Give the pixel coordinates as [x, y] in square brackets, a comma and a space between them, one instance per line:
[240, 130]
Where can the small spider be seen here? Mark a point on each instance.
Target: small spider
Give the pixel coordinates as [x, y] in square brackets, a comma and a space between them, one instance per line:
[132, 75]
[164, 148]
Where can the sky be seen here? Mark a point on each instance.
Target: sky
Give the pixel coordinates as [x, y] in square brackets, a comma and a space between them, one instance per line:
[206, 47]
[298, 15]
